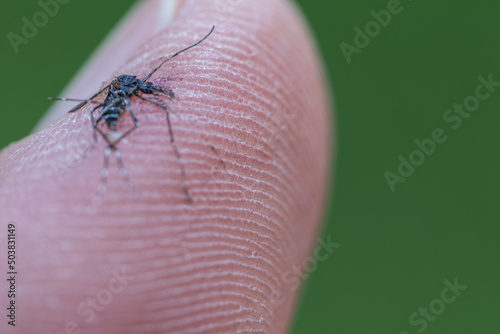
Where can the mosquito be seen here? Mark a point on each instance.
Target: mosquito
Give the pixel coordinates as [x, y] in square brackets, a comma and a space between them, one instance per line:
[119, 100]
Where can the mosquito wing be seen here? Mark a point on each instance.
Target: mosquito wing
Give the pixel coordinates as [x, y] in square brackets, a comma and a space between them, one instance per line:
[87, 101]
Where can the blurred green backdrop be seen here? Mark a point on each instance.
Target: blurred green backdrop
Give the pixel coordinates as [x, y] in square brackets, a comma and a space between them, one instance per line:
[398, 247]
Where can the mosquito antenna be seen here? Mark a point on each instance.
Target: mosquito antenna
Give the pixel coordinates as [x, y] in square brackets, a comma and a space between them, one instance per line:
[176, 54]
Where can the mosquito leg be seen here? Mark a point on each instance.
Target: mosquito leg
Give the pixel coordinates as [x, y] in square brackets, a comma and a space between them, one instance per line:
[103, 182]
[94, 124]
[112, 146]
[180, 162]
[103, 135]
[218, 156]
[121, 166]
[123, 171]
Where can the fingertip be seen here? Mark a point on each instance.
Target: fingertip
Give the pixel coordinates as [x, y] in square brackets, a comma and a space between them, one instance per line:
[251, 121]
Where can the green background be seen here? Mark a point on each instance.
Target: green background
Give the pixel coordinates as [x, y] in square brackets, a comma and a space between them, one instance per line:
[397, 247]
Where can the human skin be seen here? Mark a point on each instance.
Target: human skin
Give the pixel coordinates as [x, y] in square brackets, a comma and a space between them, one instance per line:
[251, 121]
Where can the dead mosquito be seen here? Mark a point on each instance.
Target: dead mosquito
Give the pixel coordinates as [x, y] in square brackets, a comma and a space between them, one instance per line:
[118, 100]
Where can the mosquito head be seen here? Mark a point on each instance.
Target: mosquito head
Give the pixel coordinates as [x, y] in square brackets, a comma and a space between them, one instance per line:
[125, 85]
[127, 81]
